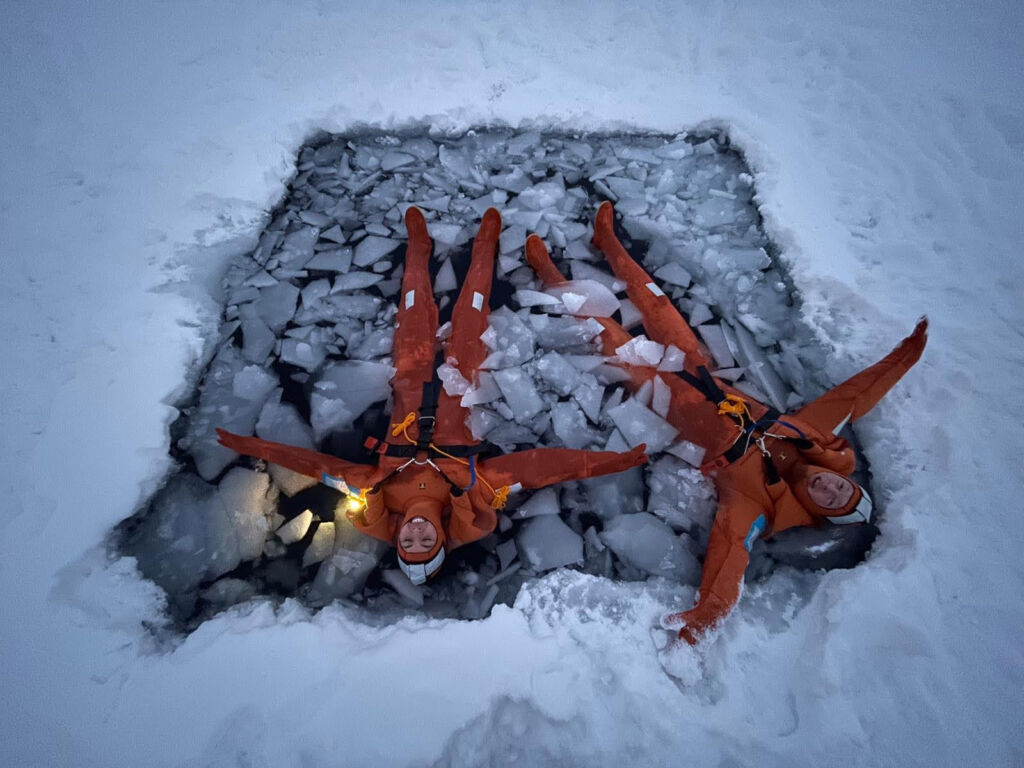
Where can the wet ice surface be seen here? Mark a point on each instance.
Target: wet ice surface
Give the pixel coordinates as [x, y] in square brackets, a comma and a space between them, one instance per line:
[305, 359]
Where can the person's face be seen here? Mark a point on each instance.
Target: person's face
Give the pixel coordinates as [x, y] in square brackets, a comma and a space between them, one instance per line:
[417, 536]
[829, 490]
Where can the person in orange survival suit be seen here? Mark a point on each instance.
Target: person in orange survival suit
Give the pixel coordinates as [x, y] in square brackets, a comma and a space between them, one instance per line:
[771, 471]
[429, 492]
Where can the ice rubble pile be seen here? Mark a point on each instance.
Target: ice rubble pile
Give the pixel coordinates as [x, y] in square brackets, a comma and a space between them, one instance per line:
[304, 355]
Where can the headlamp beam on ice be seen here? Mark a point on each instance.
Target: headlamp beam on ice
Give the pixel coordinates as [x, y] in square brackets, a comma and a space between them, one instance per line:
[418, 573]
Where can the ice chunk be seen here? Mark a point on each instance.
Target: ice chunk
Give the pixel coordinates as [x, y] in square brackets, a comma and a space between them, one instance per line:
[570, 426]
[641, 425]
[546, 542]
[454, 382]
[681, 496]
[345, 572]
[589, 398]
[759, 370]
[253, 383]
[640, 351]
[645, 542]
[631, 316]
[393, 160]
[595, 299]
[514, 181]
[257, 338]
[445, 280]
[512, 239]
[566, 334]
[485, 391]
[699, 314]
[304, 354]
[297, 247]
[673, 274]
[612, 495]
[715, 340]
[296, 528]
[508, 334]
[281, 423]
[547, 194]
[542, 502]
[277, 304]
[354, 281]
[520, 393]
[559, 373]
[455, 161]
[334, 234]
[691, 453]
[260, 279]
[333, 260]
[523, 143]
[372, 248]
[672, 360]
[344, 391]
[581, 270]
[321, 546]
[250, 501]
[661, 397]
[527, 298]
[398, 581]
[288, 481]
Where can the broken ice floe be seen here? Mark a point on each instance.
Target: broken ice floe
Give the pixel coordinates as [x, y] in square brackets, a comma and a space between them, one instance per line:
[304, 358]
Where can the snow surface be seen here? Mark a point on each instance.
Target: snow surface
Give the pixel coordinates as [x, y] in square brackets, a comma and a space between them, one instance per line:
[144, 145]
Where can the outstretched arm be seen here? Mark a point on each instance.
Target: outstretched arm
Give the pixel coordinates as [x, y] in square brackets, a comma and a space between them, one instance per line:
[326, 469]
[541, 467]
[738, 523]
[859, 394]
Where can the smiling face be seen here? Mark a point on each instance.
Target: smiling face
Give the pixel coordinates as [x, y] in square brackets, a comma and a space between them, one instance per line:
[829, 490]
[417, 536]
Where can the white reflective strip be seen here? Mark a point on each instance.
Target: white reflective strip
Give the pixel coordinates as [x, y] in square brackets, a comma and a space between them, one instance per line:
[410, 299]
[655, 289]
[478, 301]
[515, 488]
[842, 423]
[418, 572]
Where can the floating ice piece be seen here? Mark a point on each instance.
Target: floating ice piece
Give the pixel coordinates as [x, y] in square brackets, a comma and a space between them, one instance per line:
[485, 391]
[759, 370]
[297, 247]
[398, 581]
[315, 291]
[640, 351]
[691, 453]
[380, 230]
[700, 313]
[304, 354]
[589, 399]
[345, 572]
[372, 248]
[639, 424]
[546, 542]
[672, 360]
[439, 204]
[715, 340]
[257, 338]
[512, 239]
[674, 274]
[645, 542]
[295, 528]
[321, 546]
[631, 316]
[585, 297]
[570, 426]
[334, 234]
[375, 344]
[612, 495]
[344, 391]
[566, 334]
[520, 393]
[527, 298]
[316, 219]
[333, 260]
[585, 363]
[675, 150]
[542, 502]
[250, 501]
[545, 195]
[454, 382]
[661, 397]
[625, 188]
[508, 334]
[515, 181]
[520, 144]
[561, 375]
[393, 160]
[281, 423]
[455, 161]
[277, 304]
[354, 281]
[577, 250]
[581, 270]
[260, 279]
[253, 383]
[506, 552]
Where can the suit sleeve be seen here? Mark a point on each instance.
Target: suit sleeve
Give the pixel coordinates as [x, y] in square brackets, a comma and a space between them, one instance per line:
[860, 393]
[738, 523]
[541, 467]
[326, 469]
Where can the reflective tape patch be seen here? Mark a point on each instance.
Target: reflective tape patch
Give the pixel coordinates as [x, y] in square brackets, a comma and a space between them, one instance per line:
[410, 299]
[756, 529]
[655, 289]
[515, 487]
[478, 301]
[336, 483]
[842, 423]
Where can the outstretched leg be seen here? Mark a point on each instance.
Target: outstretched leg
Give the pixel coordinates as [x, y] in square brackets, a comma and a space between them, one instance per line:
[416, 331]
[469, 321]
[662, 320]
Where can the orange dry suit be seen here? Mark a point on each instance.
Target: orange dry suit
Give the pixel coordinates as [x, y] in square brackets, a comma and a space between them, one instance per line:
[432, 469]
[760, 461]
